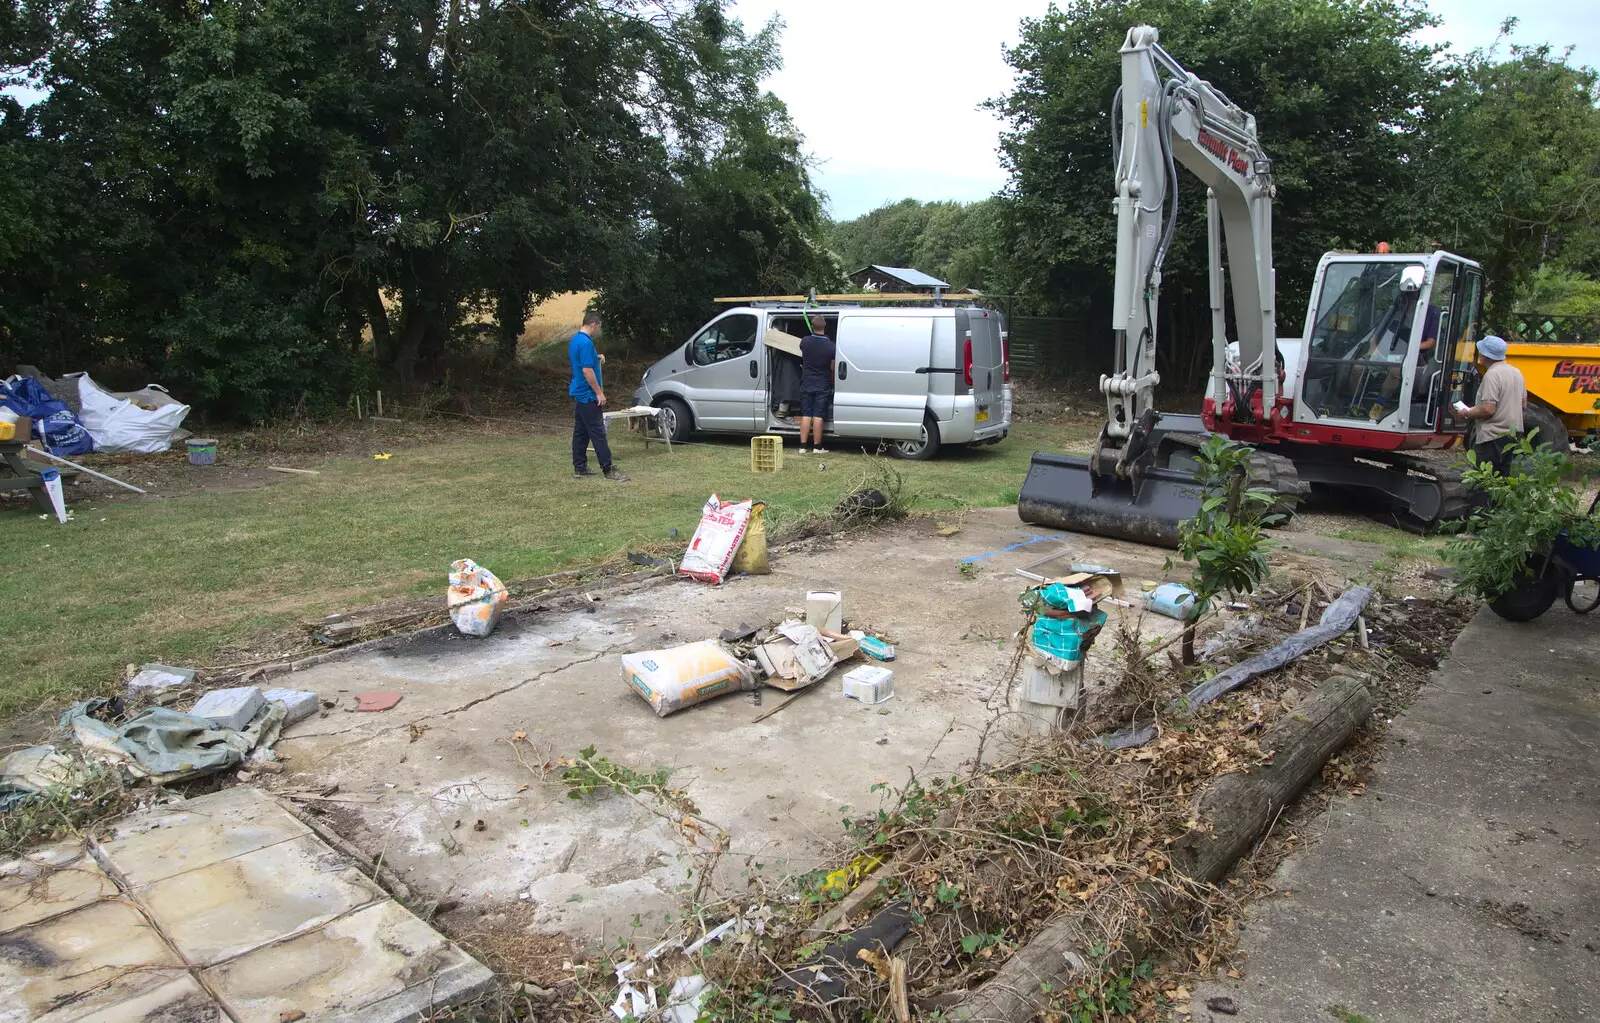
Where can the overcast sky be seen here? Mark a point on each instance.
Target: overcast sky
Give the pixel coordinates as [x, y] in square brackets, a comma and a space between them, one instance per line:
[887, 92]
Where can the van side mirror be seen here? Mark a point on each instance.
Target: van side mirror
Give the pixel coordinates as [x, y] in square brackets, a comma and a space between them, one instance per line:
[688, 352]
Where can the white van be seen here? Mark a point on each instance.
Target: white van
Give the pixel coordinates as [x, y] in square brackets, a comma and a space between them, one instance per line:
[916, 378]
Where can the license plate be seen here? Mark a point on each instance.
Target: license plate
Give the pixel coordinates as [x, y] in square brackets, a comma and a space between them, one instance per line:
[983, 417]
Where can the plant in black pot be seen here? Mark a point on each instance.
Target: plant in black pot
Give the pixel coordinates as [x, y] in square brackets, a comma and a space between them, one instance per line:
[1530, 540]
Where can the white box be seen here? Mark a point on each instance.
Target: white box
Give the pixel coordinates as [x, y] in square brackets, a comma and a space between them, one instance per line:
[869, 683]
[825, 610]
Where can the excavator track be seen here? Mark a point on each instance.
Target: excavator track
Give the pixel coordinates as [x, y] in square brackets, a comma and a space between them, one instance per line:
[1455, 501]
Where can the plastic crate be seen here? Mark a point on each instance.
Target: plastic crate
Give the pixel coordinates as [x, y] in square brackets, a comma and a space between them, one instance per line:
[766, 453]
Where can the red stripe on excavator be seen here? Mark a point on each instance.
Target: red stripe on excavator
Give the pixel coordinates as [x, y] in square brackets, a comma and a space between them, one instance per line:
[1285, 430]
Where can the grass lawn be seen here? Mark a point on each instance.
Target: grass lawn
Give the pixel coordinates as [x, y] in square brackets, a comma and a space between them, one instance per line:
[183, 580]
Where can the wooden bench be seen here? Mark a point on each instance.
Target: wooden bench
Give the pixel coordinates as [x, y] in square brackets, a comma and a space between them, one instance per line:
[25, 473]
[643, 421]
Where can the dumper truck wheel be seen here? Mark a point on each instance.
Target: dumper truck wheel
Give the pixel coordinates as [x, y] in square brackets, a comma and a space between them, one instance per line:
[674, 420]
[1552, 431]
[921, 449]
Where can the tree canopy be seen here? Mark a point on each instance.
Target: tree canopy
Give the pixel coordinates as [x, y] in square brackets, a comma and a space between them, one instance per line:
[261, 201]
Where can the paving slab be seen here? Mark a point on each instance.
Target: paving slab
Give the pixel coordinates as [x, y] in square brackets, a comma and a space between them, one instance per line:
[379, 963]
[48, 882]
[228, 908]
[178, 1000]
[165, 841]
[1465, 883]
[74, 966]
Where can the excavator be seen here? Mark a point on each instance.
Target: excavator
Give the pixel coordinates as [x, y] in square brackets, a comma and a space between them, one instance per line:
[1386, 350]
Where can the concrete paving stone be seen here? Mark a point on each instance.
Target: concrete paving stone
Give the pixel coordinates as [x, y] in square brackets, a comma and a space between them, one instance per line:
[228, 908]
[297, 703]
[229, 708]
[76, 966]
[168, 840]
[179, 1000]
[376, 965]
[48, 882]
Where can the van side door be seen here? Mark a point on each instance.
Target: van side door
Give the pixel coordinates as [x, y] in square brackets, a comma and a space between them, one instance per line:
[881, 376]
[723, 380]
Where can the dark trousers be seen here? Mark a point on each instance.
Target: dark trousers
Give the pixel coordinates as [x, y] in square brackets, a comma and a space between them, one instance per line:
[589, 425]
[1496, 452]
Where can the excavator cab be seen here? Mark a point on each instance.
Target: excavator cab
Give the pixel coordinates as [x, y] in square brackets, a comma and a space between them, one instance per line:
[1388, 347]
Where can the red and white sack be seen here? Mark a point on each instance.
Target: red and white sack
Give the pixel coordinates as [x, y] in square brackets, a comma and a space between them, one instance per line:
[717, 540]
[474, 598]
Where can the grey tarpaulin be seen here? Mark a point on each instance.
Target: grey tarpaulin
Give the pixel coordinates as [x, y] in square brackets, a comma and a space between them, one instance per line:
[1339, 616]
[166, 745]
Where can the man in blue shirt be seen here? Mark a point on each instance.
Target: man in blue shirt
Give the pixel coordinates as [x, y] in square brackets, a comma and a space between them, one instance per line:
[588, 401]
[817, 353]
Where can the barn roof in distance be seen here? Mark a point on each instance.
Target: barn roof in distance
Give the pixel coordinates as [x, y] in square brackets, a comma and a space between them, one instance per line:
[907, 276]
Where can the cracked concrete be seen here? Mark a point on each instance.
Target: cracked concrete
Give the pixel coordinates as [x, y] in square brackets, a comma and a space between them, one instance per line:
[606, 865]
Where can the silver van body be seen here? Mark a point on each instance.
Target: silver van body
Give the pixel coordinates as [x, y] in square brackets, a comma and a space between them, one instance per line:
[899, 373]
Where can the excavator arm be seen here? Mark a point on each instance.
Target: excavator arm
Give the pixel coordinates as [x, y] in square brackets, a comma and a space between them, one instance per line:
[1163, 116]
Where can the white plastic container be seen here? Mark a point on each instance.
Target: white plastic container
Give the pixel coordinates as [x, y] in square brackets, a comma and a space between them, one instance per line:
[825, 610]
[869, 683]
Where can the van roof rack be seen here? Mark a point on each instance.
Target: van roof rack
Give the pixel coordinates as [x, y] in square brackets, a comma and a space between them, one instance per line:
[809, 300]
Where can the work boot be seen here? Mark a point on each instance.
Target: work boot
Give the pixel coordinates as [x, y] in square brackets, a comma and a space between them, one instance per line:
[581, 473]
[616, 475]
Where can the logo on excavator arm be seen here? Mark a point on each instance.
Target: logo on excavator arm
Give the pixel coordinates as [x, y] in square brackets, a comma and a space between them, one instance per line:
[1585, 376]
[1223, 151]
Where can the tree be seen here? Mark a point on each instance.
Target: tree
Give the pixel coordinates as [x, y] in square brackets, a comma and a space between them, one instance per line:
[953, 241]
[1511, 172]
[1336, 86]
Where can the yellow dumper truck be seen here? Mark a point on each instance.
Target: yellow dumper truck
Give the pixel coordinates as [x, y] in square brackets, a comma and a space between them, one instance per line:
[1563, 389]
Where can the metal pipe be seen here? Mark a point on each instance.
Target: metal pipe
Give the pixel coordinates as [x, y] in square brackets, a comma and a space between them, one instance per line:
[82, 468]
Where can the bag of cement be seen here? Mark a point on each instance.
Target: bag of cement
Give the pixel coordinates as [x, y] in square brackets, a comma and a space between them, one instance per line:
[474, 598]
[683, 676]
[752, 556]
[722, 529]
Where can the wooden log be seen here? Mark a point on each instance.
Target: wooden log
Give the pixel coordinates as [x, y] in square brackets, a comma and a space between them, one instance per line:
[1234, 810]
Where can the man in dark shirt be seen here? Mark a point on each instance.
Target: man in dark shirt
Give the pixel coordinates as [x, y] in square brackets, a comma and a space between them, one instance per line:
[817, 354]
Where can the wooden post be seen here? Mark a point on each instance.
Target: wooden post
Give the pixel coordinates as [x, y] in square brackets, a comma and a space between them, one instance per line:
[1235, 809]
[380, 404]
[358, 406]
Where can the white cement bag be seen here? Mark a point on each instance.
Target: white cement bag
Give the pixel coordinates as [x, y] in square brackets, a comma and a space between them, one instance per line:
[120, 426]
[721, 531]
[474, 598]
[683, 676]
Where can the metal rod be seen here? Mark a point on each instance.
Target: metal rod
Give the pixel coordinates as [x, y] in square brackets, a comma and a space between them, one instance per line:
[83, 468]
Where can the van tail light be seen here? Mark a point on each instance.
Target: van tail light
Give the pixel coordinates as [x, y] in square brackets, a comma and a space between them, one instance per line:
[1005, 357]
[966, 358]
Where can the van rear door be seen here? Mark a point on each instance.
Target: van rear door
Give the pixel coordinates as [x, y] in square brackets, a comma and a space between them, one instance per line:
[982, 362]
[880, 387]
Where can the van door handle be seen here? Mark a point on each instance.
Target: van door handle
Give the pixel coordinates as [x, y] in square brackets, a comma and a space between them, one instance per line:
[755, 369]
[844, 371]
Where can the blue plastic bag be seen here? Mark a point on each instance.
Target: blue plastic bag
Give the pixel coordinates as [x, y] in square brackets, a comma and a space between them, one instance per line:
[53, 423]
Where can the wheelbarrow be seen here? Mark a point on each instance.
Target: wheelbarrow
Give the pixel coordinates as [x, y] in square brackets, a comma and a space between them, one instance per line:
[1556, 574]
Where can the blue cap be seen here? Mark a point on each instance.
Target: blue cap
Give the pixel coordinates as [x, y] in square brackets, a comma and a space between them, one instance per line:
[1493, 348]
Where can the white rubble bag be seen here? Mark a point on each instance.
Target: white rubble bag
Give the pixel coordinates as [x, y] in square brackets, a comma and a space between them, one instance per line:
[717, 540]
[122, 425]
[474, 598]
[683, 676]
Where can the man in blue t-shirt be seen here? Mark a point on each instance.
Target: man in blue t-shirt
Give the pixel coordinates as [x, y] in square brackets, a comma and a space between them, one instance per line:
[588, 401]
[817, 354]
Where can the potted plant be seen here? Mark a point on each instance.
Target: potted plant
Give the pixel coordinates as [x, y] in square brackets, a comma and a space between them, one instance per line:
[1530, 540]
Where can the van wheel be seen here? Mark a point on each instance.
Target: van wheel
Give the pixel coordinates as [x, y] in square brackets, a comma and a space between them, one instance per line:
[675, 421]
[921, 449]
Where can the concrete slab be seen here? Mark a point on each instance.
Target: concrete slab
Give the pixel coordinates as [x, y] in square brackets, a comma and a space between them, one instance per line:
[164, 841]
[229, 708]
[179, 1000]
[74, 966]
[445, 758]
[229, 908]
[48, 882]
[1465, 884]
[378, 964]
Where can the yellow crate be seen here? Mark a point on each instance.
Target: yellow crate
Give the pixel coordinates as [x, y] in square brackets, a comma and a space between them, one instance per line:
[766, 453]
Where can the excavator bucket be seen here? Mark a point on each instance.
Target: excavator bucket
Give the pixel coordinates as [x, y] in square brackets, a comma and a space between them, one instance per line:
[1062, 492]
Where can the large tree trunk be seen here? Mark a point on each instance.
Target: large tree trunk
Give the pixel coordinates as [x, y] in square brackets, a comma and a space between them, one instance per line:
[378, 319]
[511, 314]
[1235, 809]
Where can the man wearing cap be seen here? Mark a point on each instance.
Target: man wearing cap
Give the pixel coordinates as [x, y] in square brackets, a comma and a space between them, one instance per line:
[1502, 395]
